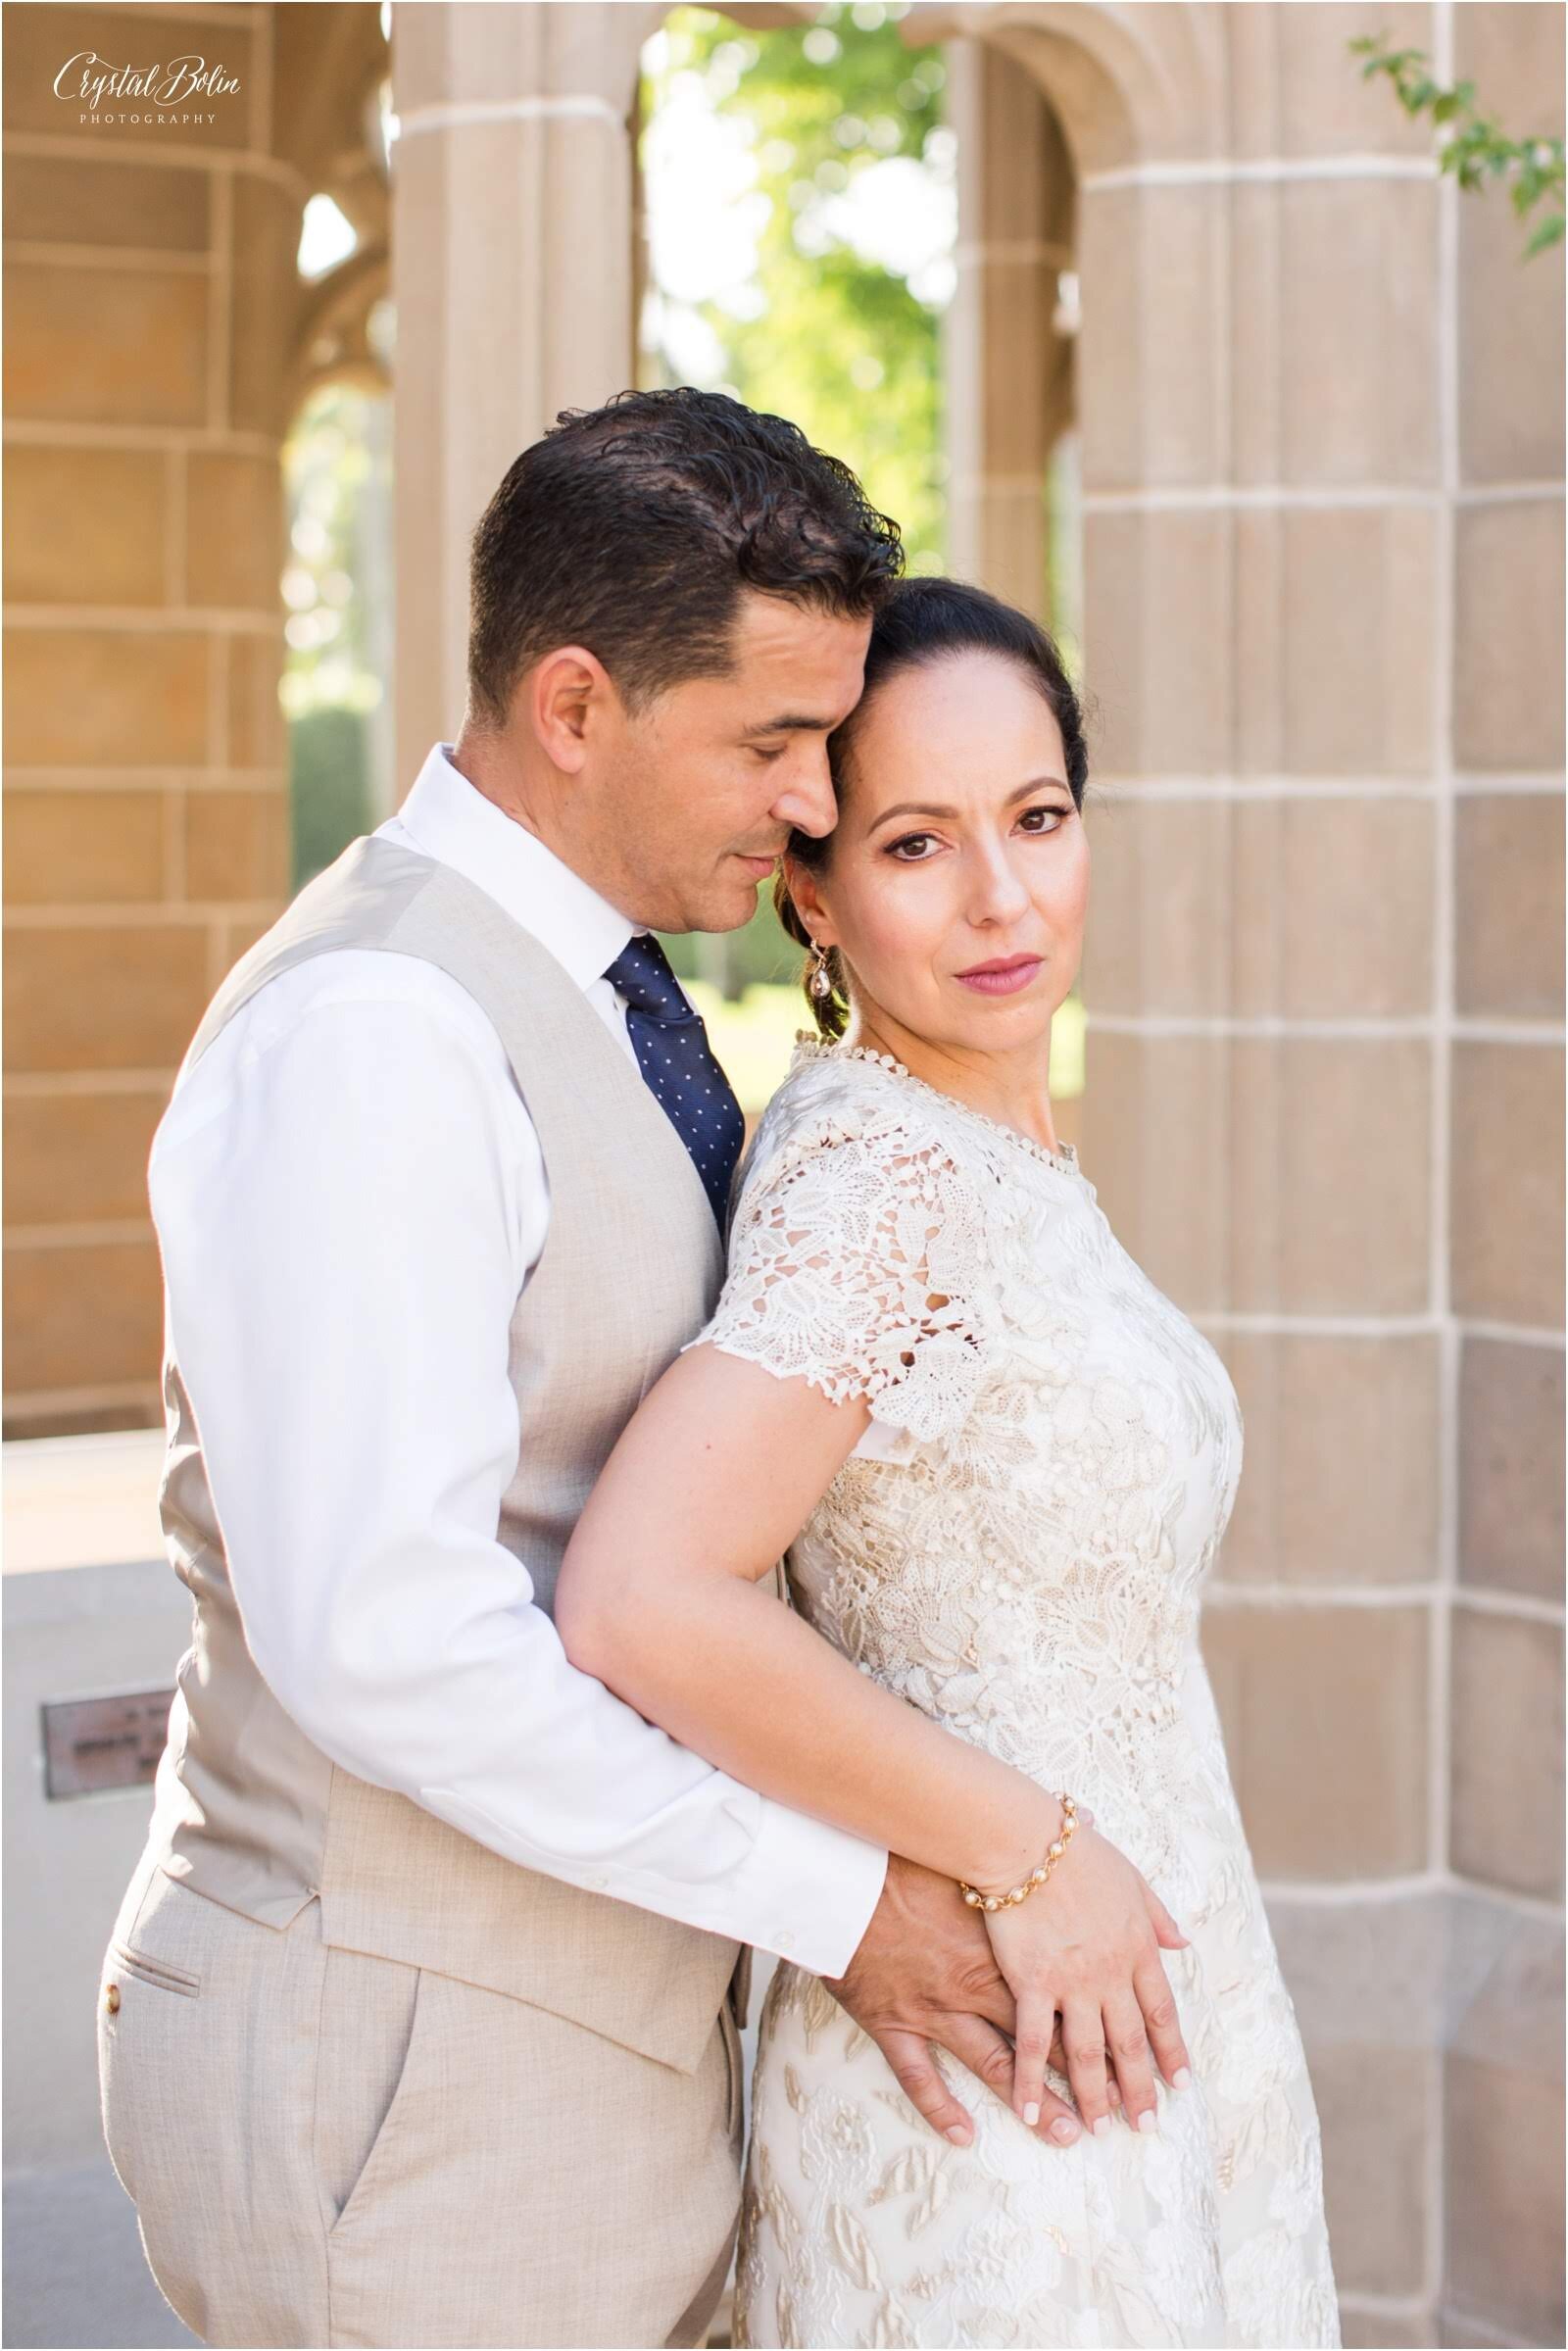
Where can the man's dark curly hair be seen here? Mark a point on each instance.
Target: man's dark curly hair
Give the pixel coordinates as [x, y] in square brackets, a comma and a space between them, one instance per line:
[634, 528]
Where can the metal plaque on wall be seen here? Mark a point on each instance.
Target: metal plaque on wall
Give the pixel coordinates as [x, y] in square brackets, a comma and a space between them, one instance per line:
[93, 1743]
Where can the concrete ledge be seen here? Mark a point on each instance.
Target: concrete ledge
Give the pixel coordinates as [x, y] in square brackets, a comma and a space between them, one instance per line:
[81, 1501]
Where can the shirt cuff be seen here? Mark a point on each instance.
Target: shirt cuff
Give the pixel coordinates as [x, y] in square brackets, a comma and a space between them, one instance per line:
[807, 1890]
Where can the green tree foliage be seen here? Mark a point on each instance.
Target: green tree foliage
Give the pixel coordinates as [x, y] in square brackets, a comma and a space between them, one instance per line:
[1475, 150]
[330, 783]
[328, 465]
[836, 340]
[334, 472]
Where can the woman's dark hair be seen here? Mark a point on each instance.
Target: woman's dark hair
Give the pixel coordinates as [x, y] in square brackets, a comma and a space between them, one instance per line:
[921, 621]
[634, 529]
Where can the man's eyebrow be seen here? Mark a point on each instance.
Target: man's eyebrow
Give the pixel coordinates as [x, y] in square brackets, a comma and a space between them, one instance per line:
[793, 722]
[927, 807]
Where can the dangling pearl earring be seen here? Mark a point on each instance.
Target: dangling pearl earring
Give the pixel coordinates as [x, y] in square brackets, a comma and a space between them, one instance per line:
[819, 983]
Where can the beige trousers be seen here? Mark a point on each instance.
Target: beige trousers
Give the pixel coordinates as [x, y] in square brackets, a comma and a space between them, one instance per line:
[325, 2148]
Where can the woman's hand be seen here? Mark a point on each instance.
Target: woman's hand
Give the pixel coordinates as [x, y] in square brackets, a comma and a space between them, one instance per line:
[661, 1597]
[1087, 1944]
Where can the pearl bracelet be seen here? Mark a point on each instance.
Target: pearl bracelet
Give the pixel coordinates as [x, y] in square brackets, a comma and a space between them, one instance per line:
[1021, 1893]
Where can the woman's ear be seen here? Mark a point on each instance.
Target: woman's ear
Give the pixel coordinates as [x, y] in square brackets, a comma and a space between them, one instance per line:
[802, 884]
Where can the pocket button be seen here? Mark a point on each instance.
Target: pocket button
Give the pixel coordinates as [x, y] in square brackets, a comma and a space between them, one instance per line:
[112, 1998]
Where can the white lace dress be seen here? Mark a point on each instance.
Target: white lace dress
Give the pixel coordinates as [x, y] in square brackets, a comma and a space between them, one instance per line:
[1017, 1547]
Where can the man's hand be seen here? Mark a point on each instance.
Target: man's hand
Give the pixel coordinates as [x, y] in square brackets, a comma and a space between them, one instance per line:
[924, 1972]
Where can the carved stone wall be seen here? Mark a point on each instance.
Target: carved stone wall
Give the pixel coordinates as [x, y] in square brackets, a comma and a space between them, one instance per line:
[153, 361]
[1320, 402]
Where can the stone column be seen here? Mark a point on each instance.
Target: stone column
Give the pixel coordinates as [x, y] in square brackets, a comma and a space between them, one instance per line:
[512, 278]
[1324, 1097]
[1263, 486]
[1008, 371]
[1501, 1007]
[150, 283]
[1321, 430]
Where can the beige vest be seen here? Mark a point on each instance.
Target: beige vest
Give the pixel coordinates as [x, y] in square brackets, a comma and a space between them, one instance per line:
[260, 1820]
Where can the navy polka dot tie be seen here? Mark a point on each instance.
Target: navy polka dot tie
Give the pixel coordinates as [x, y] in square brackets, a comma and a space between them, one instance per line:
[678, 1061]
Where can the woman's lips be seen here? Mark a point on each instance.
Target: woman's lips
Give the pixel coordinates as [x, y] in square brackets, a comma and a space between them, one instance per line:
[1002, 978]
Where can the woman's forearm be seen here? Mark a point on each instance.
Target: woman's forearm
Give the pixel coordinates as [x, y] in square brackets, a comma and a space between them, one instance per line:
[751, 1686]
[660, 1598]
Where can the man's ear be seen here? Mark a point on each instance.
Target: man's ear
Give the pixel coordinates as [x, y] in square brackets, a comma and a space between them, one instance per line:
[803, 888]
[564, 694]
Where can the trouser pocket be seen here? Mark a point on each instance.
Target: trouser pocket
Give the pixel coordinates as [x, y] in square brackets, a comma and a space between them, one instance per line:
[124, 1960]
[207, 2052]
[365, 2060]
[147, 2015]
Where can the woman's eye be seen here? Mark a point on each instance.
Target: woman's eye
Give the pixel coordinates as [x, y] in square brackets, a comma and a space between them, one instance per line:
[1056, 816]
[916, 843]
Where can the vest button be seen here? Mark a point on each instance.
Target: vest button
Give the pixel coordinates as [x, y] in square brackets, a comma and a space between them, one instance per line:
[112, 1998]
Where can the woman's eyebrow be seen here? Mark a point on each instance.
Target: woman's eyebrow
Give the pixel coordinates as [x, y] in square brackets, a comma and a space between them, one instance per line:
[927, 807]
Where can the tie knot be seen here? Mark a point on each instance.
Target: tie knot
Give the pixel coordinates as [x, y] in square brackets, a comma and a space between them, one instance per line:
[641, 973]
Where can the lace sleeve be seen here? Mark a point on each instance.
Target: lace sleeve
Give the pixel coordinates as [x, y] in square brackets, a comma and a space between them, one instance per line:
[854, 1265]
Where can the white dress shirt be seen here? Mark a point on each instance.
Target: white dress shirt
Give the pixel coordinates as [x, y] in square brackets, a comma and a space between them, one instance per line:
[350, 1196]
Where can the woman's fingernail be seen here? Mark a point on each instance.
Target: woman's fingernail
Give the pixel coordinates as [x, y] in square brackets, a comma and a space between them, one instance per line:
[1103, 2126]
[1181, 2077]
[1064, 2130]
[1146, 2120]
[1031, 2114]
[960, 2134]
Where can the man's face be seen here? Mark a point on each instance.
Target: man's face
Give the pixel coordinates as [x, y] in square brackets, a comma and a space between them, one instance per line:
[690, 799]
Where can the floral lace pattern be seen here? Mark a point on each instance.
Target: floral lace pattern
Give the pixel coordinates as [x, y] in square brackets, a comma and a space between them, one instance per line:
[1024, 1563]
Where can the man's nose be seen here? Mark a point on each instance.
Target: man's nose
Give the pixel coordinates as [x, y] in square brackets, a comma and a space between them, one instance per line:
[808, 803]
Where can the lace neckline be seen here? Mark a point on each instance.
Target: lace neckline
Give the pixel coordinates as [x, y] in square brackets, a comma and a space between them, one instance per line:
[1064, 1160]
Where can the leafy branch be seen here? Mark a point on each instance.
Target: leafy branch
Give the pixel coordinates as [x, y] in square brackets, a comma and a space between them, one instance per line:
[1475, 150]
